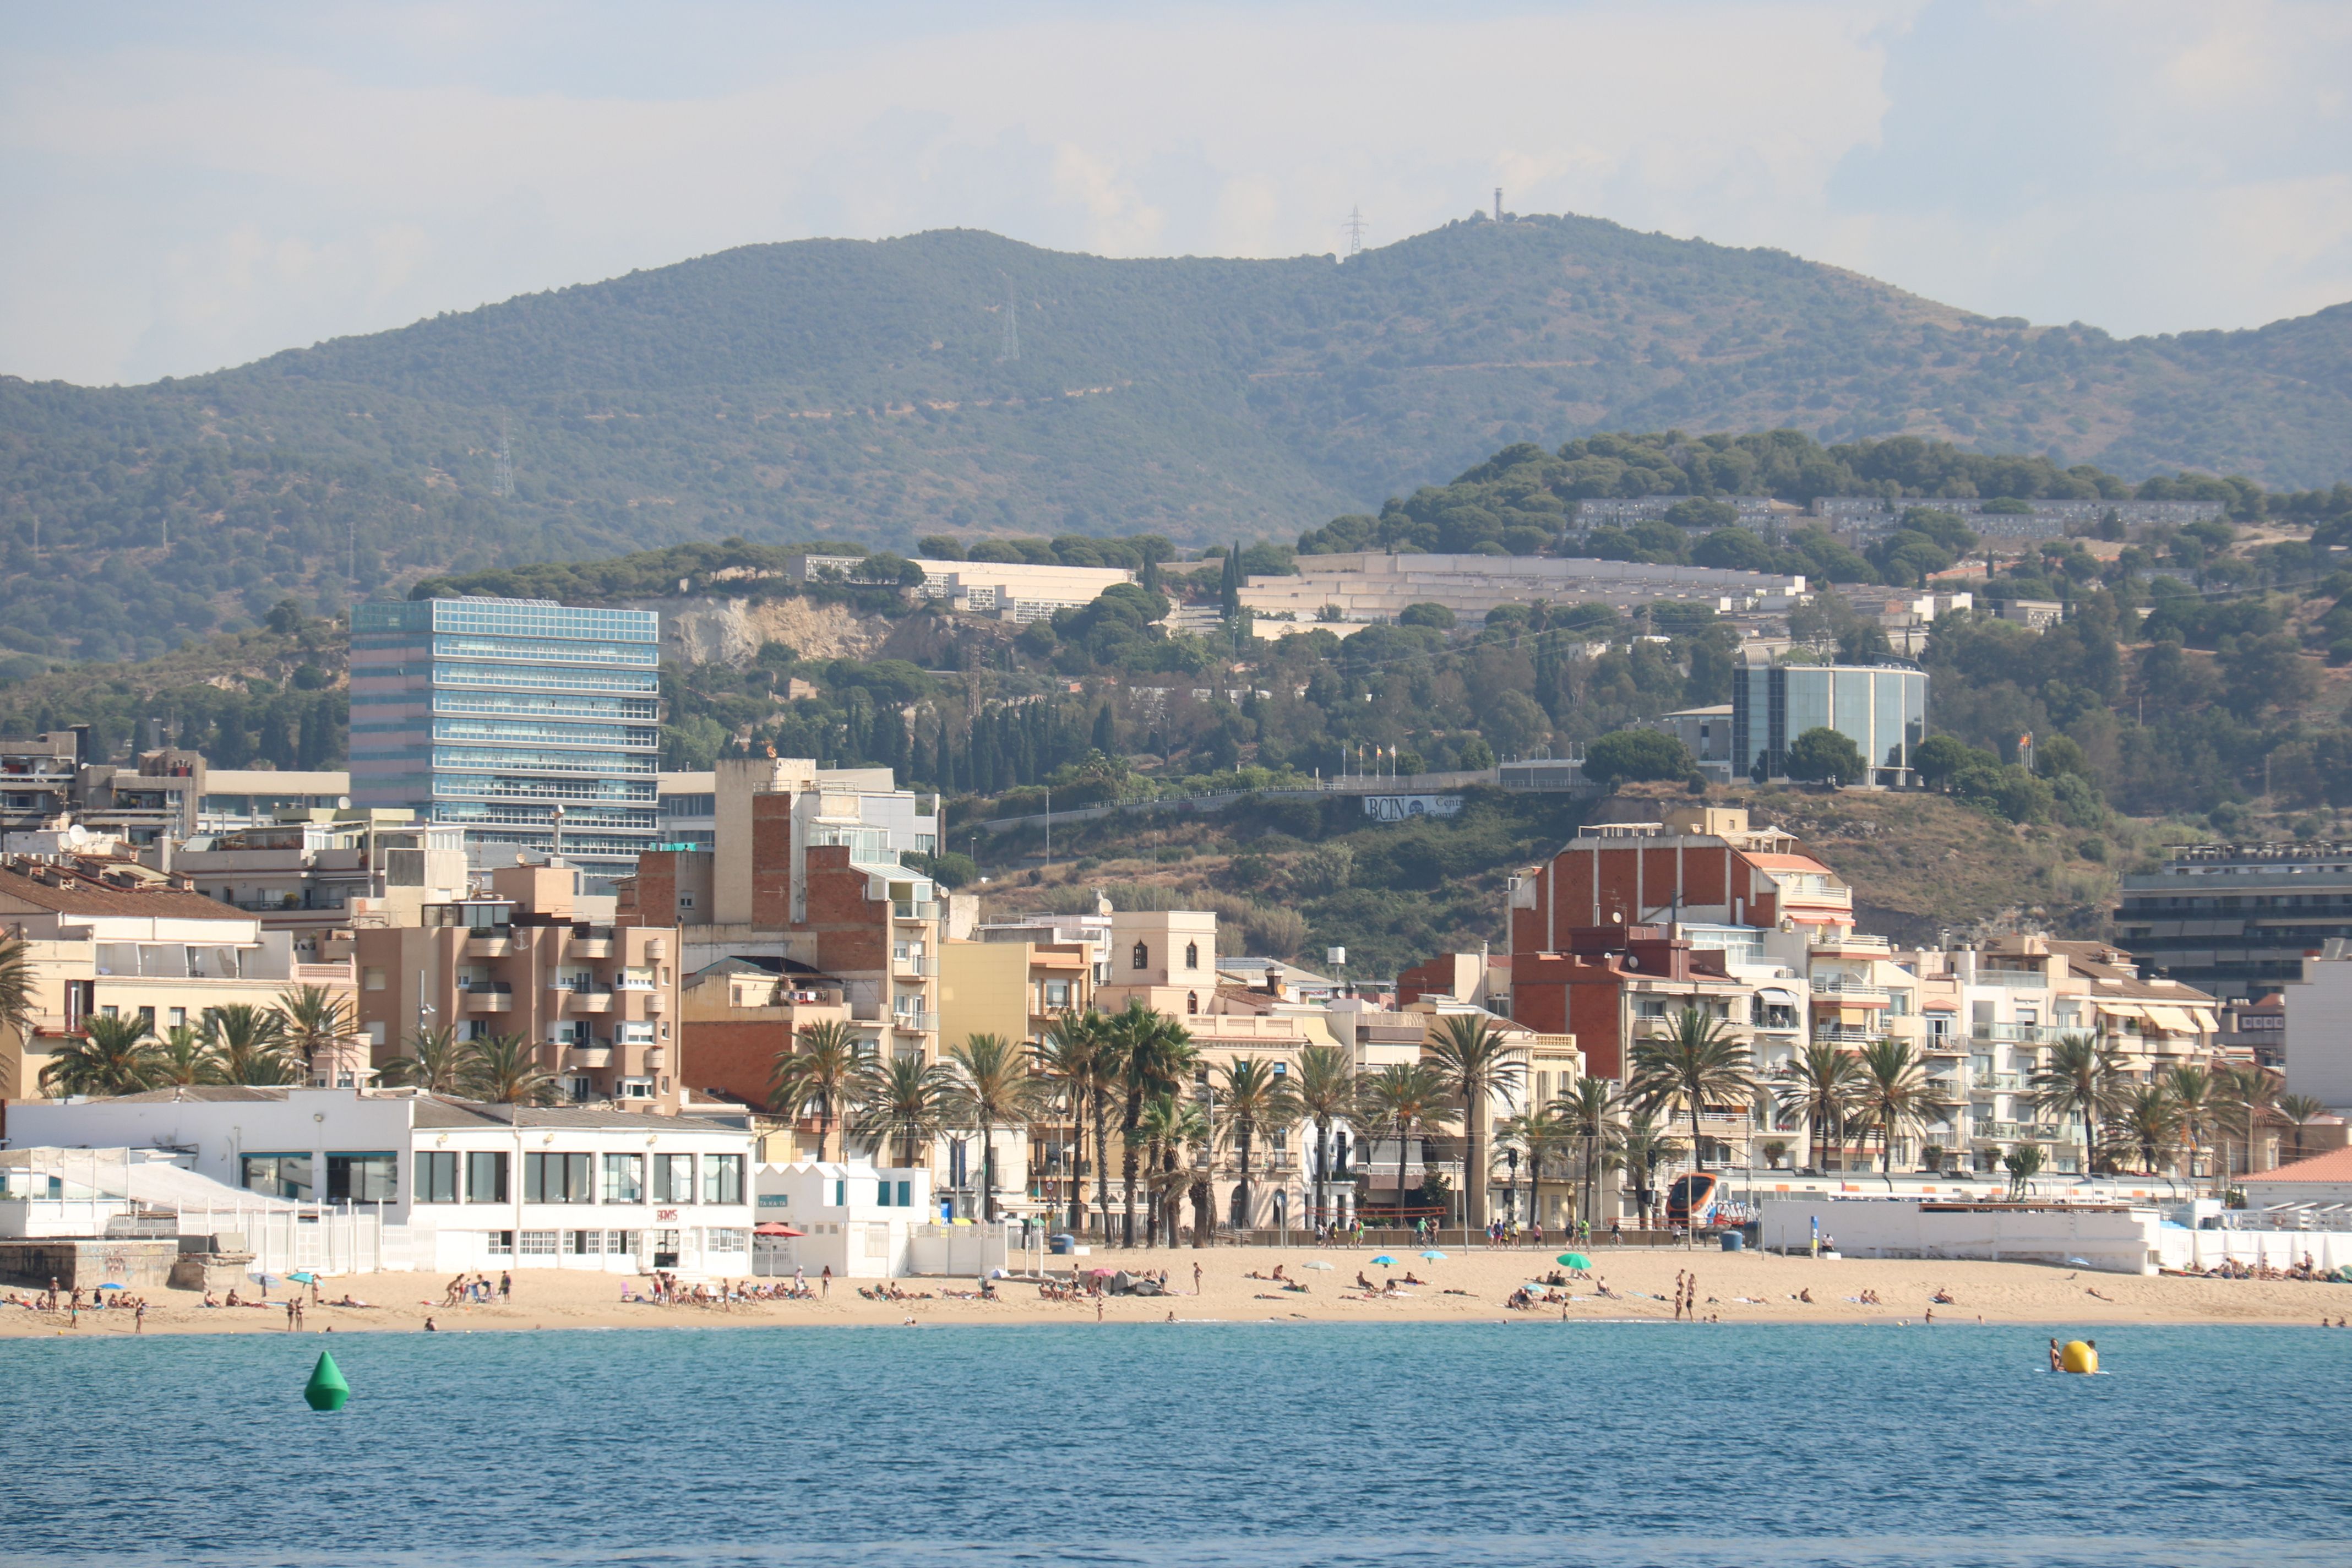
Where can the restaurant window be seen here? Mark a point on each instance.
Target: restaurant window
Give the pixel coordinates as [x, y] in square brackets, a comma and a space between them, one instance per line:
[583, 1243]
[722, 1178]
[673, 1178]
[279, 1175]
[666, 1241]
[486, 1176]
[499, 1243]
[371, 1178]
[538, 1244]
[620, 1243]
[558, 1179]
[437, 1176]
[625, 1178]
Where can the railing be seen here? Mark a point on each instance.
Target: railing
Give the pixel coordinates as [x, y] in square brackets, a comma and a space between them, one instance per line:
[1996, 1081]
[2036, 1131]
[1845, 1034]
[920, 911]
[914, 964]
[924, 1022]
[1848, 990]
[2019, 1033]
[2029, 979]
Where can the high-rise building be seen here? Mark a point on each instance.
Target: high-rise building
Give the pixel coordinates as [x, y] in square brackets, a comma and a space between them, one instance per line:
[1882, 709]
[2238, 920]
[530, 724]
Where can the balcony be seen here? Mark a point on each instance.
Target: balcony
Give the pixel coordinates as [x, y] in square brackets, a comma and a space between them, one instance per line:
[478, 999]
[657, 1057]
[1848, 992]
[1997, 1082]
[913, 964]
[1946, 1045]
[922, 910]
[915, 1023]
[589, 1058]
[574, 1003]
[656, 948]
[487, 945]
[656, 1003]
[2024, 979]
[599, 945]
[1845, 1035]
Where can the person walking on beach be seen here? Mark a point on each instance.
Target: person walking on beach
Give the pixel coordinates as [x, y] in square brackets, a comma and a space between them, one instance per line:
[297, 1314]
[139, 1316]
[824, 1284]
[1196, 1279]
[289, 1316]
[506, 1285]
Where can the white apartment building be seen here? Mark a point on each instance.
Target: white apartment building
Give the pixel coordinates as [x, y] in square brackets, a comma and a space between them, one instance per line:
[859, 1220]
[1364, 586]
[455, 1184]
[1015, 590]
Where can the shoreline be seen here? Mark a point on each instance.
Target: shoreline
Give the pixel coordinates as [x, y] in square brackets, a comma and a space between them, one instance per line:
[1463, 1287]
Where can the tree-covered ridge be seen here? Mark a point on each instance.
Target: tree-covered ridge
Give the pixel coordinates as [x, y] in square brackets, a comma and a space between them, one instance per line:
[871, 391]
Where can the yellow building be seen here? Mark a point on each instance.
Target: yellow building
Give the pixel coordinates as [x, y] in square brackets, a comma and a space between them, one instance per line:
[117, 939]
[1014, 989]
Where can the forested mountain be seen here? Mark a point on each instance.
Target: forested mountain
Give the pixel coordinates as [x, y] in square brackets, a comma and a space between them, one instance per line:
[956, 380]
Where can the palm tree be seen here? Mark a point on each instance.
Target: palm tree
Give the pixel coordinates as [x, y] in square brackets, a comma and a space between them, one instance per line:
[1644, 1146]
[2191, 1089]
[1589, 1112]
[182, 1059]
[994, 1088]
[16, 984]
[2301, 1110]
[2023, 1162]
[904, 1098]
[822, 1071]
[1155, 1057]
[1400, 1099]
[1821, 1083]
[1256, 1097]
[1074, 1057]
[503, 1069]
[249, 1045]
[436, 1062]
[2252, 1093]
[2082, 1076]
[1695, 1062]
[1327, 1090]
[1173, 1124]
[1475, 1060]
[1537, 1133]
[313, 1019]
[2150, 1121]
[1895, 1093]
[111, 1056]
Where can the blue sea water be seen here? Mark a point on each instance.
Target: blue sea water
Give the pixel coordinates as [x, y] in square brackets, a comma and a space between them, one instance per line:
[1403, 1446]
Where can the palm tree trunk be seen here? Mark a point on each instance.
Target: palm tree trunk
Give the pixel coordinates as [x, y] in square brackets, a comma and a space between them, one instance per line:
[1102, 1159]
[987, 1171]
[1473, 1167]
[1404, 1145]
[1248, 1209]
[1322, 1160]
[1126, 1162]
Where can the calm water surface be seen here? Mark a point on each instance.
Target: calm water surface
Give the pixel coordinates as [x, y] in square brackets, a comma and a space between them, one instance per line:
[1404, 1447]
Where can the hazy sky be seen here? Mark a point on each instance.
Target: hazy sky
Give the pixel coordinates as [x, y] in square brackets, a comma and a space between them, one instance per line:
[192, 186]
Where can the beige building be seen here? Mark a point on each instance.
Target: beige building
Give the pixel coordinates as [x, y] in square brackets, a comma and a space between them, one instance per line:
[114, 938]
[1015, 590]
[316, 872]
[599, 1002]
[1013, 989]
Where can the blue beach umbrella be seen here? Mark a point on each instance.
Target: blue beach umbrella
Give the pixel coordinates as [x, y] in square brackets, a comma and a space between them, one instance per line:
[1433, 1256]
[1385, 1261]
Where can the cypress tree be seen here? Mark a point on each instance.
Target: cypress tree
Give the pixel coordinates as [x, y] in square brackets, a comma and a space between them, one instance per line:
[1105, 737]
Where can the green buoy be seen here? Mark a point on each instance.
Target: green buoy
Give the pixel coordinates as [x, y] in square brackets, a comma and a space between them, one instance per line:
[327, 1389]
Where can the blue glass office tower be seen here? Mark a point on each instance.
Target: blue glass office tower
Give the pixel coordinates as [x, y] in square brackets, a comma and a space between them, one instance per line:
[518, 719]
[1882, 709]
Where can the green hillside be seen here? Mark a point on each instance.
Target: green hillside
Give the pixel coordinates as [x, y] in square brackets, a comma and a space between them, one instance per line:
[872, 392]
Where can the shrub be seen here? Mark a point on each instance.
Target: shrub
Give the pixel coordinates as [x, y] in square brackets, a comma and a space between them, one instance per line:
[1627, 755]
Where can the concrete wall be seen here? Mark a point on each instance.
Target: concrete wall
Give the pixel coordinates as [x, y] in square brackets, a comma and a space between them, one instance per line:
[2319, 1023]
[2117, 1240]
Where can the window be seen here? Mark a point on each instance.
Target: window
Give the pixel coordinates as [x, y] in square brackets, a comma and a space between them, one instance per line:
[147, 1019]
[558, 1179]
[279, 1175]
[625, 1178]
[362, 1178]
[371, 979]
[673, 1179]
[666, 1241]
[176, 1018]
[486, 1176]
[437, 1176]
[722, 1178]
[1191, 1002]
[1191, 955]
[620, 1243]
[1142, 956]
[499, 1243]
[685, 901]
[725, 1238]
[583, 1243]
[1057, 993]
[538, 1244]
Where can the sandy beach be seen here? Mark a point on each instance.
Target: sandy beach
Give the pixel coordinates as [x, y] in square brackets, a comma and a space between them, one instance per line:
[1467, 1286]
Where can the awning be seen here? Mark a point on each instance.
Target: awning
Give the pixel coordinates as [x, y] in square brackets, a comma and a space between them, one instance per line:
[2122, 1010]
[1774, 993]
[772, 1228]
[2172, 1020]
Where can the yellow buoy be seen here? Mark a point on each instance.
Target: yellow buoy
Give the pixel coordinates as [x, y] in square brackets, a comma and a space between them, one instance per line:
[2077, 1357]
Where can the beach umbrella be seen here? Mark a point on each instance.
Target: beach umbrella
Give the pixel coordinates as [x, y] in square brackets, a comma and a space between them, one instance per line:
[114, 1285]
[1321, 1265]
[1433, 1256]
[302, 1276]
[1574, 1260]
[774, 1228]
[1385, 1261]
[1102, 1273]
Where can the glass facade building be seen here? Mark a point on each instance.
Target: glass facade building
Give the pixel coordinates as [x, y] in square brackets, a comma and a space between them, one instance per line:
[1882, 709]
[518, 720]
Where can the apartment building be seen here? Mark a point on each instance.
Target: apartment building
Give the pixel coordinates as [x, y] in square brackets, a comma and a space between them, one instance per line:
[1015, 590]
[737, 1016]
[319, 872]
[464, 1186]
[530, 724]
[804, 876]
[598, 1003]
[235, 798]
[117, 939]
[2238, 920]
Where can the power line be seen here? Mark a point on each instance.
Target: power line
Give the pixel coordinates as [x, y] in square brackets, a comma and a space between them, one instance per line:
[1354, 225]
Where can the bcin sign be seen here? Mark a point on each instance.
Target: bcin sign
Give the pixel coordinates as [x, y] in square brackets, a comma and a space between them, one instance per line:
[1404, 807]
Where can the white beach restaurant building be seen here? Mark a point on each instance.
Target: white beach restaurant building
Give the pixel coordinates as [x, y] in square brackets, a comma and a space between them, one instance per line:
[452, 1183]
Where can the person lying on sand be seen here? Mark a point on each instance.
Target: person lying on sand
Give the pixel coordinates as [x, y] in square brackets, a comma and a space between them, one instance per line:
[1942, 1297]
[1410, 1280]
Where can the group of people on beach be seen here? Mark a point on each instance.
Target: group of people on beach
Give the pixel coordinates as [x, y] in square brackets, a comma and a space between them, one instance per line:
[473, 1290]
[74, 1303]
[2306, 1268]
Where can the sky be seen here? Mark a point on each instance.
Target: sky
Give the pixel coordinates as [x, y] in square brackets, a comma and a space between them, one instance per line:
[188, 187]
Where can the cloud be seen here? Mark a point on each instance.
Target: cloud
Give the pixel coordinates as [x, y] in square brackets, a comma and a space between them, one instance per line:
[185, 197]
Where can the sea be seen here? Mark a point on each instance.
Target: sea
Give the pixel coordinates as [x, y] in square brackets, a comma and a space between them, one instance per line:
[1200, 1445]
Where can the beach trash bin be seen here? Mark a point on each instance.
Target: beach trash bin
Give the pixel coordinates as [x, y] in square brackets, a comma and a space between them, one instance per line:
[1733, 1241]
[1063, 1242]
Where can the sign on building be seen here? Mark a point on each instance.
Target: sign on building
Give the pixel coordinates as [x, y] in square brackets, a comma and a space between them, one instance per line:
[1400, 807]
